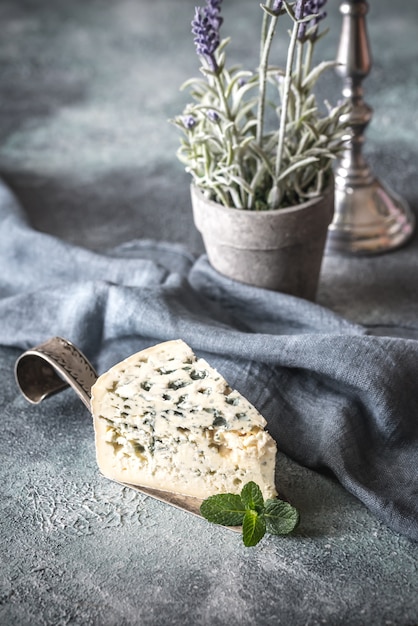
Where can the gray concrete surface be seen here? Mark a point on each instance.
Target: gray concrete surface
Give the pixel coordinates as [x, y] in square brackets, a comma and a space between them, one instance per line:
[86, 89]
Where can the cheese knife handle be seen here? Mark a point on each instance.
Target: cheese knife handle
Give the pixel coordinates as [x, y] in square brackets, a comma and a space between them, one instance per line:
[51, 367]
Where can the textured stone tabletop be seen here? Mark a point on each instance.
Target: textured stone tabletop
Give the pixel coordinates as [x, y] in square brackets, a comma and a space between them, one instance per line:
[86, 89]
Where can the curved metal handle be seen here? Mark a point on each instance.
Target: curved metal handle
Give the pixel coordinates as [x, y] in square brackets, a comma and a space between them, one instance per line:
[53, 366]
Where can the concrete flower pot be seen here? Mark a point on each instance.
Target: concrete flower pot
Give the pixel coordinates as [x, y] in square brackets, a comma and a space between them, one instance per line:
[280, 250]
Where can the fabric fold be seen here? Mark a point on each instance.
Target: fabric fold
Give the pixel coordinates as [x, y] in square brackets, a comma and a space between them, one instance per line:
[334, 396]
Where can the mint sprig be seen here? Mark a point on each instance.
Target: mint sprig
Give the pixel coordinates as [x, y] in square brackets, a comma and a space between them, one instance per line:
[250, 511]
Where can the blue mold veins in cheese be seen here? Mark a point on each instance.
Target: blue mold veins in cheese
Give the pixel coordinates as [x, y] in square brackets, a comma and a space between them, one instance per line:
[166, 419]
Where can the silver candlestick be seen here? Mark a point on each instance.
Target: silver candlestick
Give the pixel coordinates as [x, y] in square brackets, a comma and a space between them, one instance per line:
[369, 218]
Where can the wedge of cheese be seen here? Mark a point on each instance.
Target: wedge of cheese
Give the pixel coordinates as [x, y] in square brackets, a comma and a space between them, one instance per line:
[166, 419]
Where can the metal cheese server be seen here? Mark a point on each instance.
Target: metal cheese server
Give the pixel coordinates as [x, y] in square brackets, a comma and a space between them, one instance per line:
[57, 364]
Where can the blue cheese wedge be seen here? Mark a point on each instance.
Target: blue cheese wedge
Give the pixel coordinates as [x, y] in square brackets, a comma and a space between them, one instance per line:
[168, 420]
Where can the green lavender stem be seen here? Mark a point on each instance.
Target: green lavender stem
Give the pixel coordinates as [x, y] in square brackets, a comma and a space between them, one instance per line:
[308, 57]
[267, 39]
[232, 138]
[285, 99]
[298, 78]
[264, 27]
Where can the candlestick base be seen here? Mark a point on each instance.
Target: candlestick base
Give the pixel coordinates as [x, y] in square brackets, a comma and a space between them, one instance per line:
[369, 219]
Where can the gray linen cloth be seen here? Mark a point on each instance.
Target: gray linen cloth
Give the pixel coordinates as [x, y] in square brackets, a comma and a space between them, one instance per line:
[335, 398]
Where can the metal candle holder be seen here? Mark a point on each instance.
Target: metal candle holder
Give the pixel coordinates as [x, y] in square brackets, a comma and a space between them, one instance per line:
[369, 218]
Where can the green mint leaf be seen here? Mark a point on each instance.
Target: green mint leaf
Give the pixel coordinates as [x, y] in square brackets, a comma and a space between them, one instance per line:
[281, 517]
[224, 508]
[252, 497]
[253, 528]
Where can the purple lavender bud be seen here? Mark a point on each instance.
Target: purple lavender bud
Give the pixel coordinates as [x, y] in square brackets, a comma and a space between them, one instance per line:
[205, 26]
[299, 14]
[302, 31]
[306, 8]
[277, 6]
[213, 116]
[213, 11]
[189, 122]
[316, 9]
[300, 9]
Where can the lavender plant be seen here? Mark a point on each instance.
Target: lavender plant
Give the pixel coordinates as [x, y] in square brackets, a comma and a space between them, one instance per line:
[233, 155]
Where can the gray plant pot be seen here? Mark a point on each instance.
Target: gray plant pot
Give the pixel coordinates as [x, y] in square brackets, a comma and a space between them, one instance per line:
[280, 250]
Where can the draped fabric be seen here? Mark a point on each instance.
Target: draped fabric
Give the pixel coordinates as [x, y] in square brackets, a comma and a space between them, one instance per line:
[335, 398]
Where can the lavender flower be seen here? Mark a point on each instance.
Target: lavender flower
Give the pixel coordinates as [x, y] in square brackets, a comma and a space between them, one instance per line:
[277, 6]
[205, 27]
[213, 11]
[305, 8]
[316, 6]
[189, 122]
[213, 116]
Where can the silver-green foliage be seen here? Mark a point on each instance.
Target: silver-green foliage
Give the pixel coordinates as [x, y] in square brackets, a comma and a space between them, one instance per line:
[225, 145]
